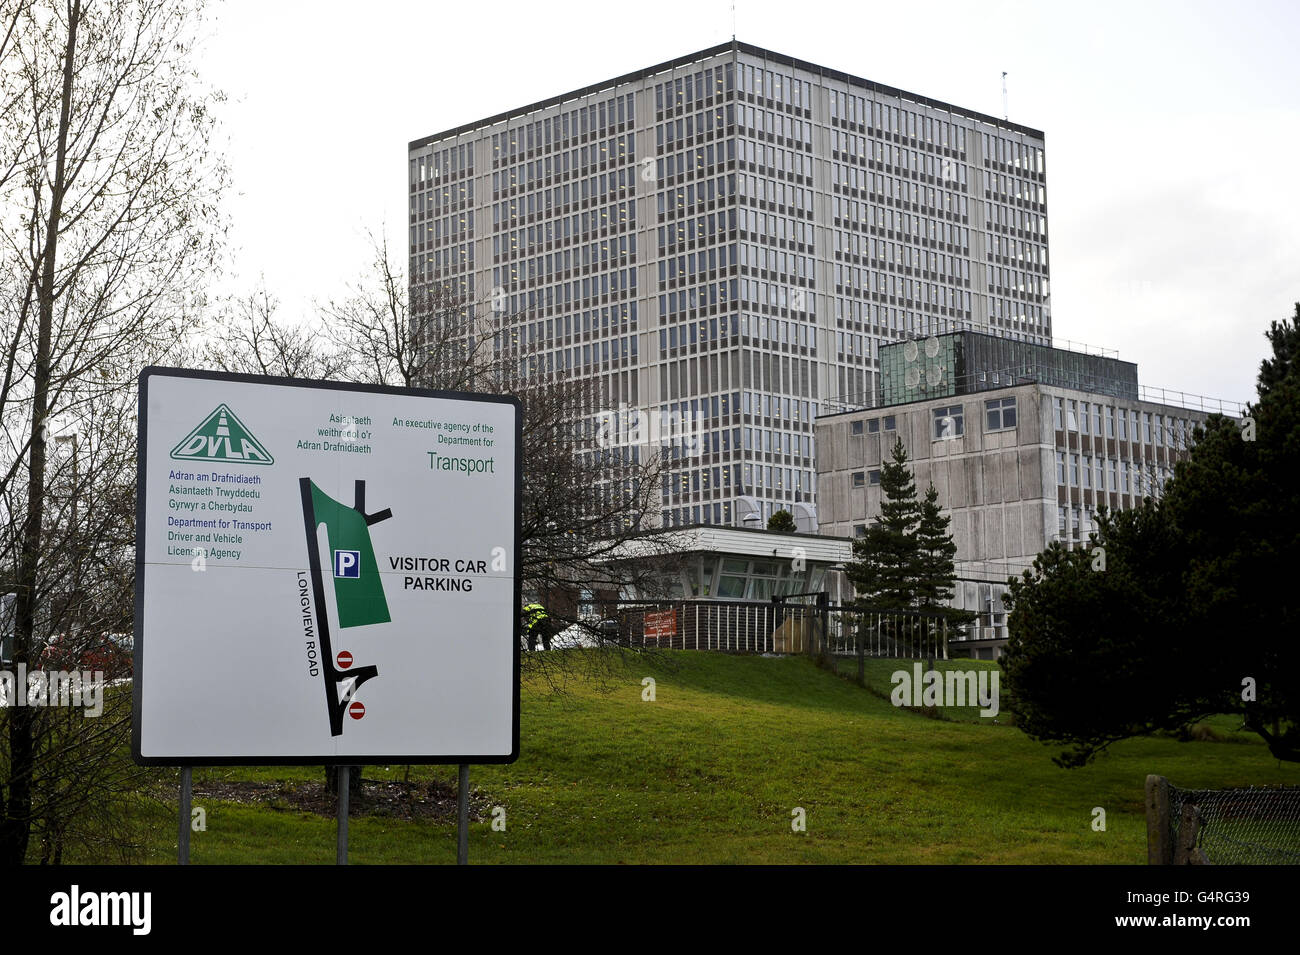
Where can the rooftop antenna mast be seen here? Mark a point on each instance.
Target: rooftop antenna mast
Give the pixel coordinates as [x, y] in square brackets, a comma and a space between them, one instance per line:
[733, 21]
[1005, 114]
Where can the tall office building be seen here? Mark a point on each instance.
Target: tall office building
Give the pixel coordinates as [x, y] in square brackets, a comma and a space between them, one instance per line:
[729, 238]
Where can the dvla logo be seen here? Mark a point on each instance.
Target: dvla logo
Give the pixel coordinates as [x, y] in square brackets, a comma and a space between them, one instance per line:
[222, 437]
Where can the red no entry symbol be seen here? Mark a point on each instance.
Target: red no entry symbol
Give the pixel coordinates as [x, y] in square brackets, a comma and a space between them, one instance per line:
[357, 710]
[345, 659]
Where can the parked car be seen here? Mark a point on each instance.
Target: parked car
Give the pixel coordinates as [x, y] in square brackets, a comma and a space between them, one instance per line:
[581, 635]
[111, 654]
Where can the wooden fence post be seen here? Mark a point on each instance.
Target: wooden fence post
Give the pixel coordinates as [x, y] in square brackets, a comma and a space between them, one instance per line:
[1160, 844]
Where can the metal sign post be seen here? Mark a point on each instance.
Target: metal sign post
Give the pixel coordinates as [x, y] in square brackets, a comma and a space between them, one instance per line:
[345, 784]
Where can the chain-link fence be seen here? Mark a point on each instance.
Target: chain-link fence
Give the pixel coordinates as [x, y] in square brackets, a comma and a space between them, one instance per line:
[1257, 825]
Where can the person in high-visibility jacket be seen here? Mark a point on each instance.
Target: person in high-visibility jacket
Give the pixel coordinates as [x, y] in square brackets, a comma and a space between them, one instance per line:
[537, 624]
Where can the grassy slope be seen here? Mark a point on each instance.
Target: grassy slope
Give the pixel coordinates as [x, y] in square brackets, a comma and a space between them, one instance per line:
[711, 770]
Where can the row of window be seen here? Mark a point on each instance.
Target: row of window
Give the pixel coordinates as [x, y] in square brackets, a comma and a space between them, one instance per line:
[949, 421]
[765, 122]
[865, 478]
[447, 228]
[1008, 188]
[1147, 427]
[1014, 282]
[773, 228]
[768, 296]
[565, 295]
[684, 92]
[885, 118]
[440, 262]
[587, 189]
[450, 197]
[557, 130]
[892, 158]
[941, 203]
[452, 161]
[858, 214]
[1014, 153]
[894, 255]
[586, 324]
[698, 231]
[1096, 473]
[581, 357]
[851, 278]
[774, 161]
[1032, 319]
[998, 216]
[544, 268]
[710, 123]
[683, 199]
[713, 296]
[720, 513]
[779, 442]
[686, 268]
[890, 322]
[1021, 250]
[776, 86]
[598, 255]
[692, 162]
[509, 213]
[773, 192]
[705, 333]
[873, 425]
[788, 264]
[727, 478]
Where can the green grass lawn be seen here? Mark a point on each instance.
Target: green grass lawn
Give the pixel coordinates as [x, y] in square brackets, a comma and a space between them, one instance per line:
[711, 771]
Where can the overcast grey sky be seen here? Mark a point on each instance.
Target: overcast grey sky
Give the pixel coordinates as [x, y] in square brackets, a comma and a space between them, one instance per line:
[1173, 131]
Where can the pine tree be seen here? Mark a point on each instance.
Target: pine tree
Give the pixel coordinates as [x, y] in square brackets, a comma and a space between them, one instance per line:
[782, 522]
[935, 553]
[937, 571]
[884, 569]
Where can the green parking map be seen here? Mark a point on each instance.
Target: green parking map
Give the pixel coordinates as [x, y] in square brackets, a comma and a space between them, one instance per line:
[358, 588]
[360, 598]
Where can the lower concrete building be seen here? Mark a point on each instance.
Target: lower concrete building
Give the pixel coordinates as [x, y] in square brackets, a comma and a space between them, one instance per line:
[1017, 463]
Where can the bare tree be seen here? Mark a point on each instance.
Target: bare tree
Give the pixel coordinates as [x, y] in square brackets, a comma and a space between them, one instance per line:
[378, 338]
[108, 191]
[586, 493]
[248, 336]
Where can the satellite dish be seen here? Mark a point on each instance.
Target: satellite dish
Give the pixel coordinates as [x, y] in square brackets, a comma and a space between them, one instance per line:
[934, 375]
[805, 517]
[910, 351]
[931, 347]
[912, 377]
[749, 513]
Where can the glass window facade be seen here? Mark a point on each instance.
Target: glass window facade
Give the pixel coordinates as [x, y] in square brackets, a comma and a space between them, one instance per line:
[730, 240]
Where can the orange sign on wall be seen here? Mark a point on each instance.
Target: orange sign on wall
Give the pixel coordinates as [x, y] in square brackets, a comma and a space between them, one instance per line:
[660, 623]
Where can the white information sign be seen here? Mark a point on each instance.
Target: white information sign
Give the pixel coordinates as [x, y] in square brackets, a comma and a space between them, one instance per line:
[325, 573]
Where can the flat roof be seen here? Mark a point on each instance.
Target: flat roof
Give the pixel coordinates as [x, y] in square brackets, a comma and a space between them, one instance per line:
[740, 541]
[884, 410]
[738, 47]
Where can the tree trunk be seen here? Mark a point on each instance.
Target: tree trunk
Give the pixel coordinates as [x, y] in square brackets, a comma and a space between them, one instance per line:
[15, 828]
